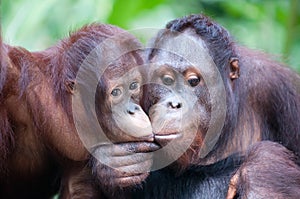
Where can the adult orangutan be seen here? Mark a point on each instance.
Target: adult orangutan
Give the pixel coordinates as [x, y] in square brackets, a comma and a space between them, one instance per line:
[38, 140]
[209, 99]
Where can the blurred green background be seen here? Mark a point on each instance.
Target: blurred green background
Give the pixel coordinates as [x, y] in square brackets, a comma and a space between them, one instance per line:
[270, 25]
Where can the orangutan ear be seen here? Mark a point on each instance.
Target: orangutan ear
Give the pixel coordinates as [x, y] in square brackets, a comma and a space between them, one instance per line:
[70, 86]
[234, 68]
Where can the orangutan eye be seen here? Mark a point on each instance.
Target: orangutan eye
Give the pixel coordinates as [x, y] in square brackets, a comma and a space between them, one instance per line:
[134, 85]
[193, 80]
[168, 80]
[116, 92]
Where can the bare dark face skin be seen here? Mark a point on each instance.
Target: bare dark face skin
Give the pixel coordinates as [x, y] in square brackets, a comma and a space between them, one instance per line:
[177, 102]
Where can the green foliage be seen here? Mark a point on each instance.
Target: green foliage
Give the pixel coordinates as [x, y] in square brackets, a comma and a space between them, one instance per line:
[128, 10]
[272, 26]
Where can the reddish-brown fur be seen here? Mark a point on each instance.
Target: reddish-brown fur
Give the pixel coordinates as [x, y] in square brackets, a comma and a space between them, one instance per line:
[38, 139]
[269, 171]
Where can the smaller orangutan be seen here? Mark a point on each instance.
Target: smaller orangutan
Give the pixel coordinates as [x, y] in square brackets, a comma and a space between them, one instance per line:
[269, 171]
[40, 148]
[125, 162]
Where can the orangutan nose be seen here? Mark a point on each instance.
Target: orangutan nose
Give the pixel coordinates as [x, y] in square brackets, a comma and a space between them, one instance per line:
[133, 108]
[175, 105]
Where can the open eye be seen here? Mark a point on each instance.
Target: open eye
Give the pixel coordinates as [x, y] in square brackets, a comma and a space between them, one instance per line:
[193, 80]
[134, 85]
[168, 80]
[116, 92]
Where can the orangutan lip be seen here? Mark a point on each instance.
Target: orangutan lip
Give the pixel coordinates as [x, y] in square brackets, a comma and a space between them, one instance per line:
[148, 138]
[168, 136]
[137, 174]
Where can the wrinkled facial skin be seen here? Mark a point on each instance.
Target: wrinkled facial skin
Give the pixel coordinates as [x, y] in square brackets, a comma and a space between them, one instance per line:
[177, 102]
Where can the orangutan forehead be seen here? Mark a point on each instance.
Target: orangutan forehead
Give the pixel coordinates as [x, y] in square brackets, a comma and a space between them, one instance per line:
[132, 75]
[122, 65]
[181, 50]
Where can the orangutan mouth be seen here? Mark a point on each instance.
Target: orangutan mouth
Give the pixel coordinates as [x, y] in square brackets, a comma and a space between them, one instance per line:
[163, 138]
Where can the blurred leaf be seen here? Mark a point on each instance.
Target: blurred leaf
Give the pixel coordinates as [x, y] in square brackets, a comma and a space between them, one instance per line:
[36, 24]
[125, 11]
